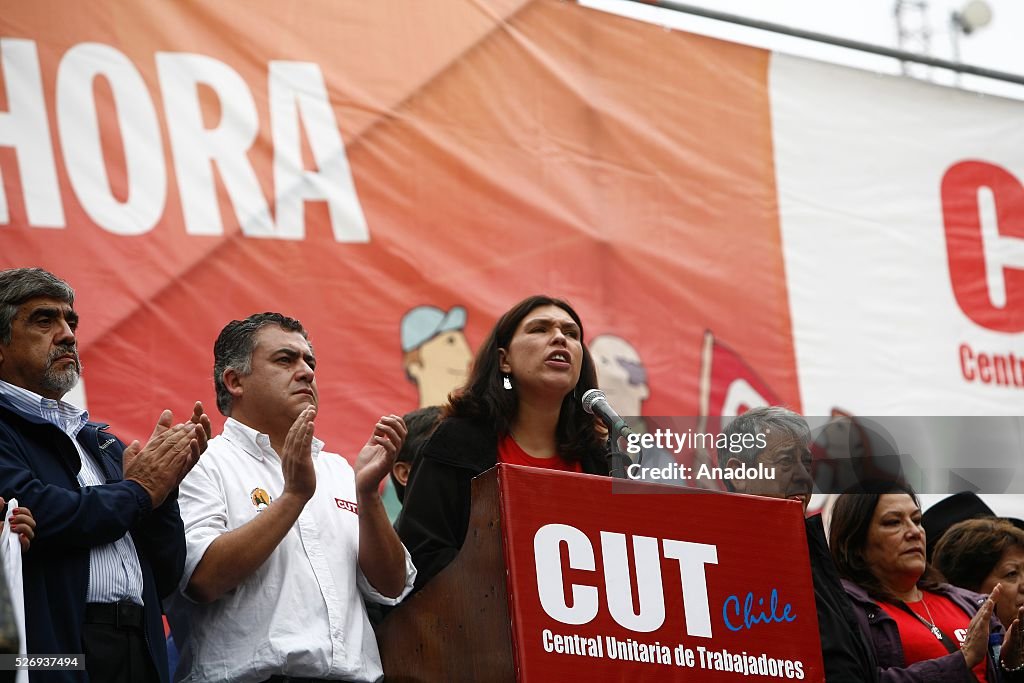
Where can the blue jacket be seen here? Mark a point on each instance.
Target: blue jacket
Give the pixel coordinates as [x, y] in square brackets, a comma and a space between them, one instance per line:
[38, 466]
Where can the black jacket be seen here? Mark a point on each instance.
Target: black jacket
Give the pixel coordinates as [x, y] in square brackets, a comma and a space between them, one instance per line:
[847, 656]
[38, 466]
[435, 514]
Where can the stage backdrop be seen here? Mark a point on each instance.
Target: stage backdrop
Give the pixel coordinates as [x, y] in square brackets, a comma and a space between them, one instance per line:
[743, 226]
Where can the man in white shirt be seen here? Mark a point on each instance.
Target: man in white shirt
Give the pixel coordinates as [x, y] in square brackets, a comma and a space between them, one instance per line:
[283, 538]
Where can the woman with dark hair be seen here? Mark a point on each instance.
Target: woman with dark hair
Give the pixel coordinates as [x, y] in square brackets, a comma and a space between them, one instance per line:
[921, 629]
[978, 554]
[520, 405]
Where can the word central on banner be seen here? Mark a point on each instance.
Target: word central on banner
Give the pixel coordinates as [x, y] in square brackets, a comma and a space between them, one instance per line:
[699, 657]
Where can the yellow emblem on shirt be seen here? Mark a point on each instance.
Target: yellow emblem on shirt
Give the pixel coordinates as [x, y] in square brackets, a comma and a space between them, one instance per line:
[260, 498]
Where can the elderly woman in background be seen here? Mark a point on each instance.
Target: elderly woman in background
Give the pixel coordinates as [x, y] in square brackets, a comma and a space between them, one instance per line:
[921, 629]
[978, 554]
[520, 405]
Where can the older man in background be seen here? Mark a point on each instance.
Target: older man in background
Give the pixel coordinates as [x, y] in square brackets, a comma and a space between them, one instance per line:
[786, 453]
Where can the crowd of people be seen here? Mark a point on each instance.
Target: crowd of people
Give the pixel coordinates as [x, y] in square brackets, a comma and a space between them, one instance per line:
[272, 556]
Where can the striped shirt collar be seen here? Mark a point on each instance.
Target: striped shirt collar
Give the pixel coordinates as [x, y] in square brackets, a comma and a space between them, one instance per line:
[62, 415]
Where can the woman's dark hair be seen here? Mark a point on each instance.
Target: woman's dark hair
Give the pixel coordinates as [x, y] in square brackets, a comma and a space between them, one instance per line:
[483, 397]
[848, 534]
[969, 551]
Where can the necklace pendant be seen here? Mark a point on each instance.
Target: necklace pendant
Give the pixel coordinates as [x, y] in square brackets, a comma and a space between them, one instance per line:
[937, 633]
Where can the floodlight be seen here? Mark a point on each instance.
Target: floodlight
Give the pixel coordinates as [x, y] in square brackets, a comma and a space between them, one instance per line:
[974, 15]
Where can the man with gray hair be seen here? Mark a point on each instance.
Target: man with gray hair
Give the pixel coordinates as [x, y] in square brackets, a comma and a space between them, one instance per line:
[786, 453]
[284, 539]
[781, 444]
[109, 541]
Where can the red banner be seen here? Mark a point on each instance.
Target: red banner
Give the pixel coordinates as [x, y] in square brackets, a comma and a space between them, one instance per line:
[184, 164]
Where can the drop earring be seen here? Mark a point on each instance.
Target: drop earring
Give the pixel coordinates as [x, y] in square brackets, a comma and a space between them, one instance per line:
[507, 383]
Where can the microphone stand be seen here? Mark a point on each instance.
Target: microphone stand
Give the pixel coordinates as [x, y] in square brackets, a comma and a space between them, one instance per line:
[617, 460]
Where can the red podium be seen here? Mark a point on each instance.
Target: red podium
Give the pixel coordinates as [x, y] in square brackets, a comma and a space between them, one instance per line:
[575, 577]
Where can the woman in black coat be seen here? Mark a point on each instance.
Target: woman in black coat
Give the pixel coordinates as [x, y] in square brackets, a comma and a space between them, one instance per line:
[520, 405]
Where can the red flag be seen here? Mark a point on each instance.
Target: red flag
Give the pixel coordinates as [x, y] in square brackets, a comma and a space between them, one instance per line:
[728, 386]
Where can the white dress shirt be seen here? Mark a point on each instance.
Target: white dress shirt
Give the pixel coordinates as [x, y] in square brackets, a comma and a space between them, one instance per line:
[114, 570]
[301, 613]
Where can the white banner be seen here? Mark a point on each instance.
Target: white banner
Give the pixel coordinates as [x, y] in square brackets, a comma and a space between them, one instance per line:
[901, 209]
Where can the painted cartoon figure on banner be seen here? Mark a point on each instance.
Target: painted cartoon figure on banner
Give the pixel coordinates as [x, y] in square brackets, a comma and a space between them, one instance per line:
[622, 376]
[436, 355]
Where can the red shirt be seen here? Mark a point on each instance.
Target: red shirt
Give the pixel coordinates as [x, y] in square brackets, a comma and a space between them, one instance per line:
[510, 452]
[918, 641]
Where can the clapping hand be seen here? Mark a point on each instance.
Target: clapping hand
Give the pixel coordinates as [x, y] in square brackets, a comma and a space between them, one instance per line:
[199, 418]
[163, 462]
[1012, 654]
[205, 431]
[376, 458]
[297, 457]
[975, 645]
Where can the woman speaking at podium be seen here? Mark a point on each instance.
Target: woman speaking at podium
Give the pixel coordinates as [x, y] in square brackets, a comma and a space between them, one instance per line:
[520, 405]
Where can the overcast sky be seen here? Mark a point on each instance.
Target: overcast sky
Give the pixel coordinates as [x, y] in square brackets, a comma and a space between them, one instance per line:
[997, 46]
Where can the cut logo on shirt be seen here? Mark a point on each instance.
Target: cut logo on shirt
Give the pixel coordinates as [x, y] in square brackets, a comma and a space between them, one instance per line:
[260, 498]
[346, 505]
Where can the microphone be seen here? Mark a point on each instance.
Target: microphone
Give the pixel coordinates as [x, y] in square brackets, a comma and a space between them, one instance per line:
[596, 403]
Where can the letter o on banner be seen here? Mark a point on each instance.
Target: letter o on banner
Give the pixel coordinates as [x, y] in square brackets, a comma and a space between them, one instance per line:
[79, 127]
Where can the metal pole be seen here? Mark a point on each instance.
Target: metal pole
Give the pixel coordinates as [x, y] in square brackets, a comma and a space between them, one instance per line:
[913, 31]
[835, 40]
[955, 27]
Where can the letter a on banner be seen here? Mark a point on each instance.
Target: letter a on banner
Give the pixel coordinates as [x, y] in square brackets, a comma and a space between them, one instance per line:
[297, 91]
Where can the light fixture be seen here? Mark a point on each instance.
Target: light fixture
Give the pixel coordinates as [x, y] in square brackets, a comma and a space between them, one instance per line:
[974, 15]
